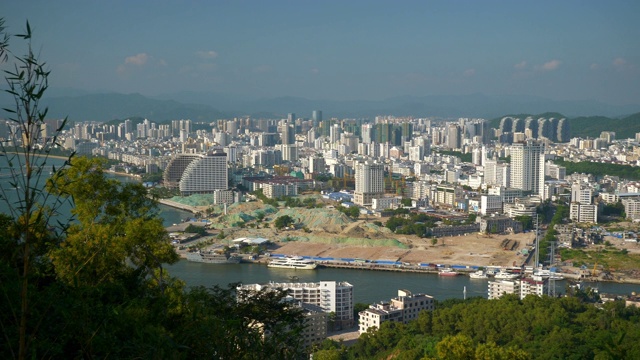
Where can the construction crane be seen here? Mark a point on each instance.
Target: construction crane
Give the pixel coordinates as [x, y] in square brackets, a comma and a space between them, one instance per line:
[593, 272]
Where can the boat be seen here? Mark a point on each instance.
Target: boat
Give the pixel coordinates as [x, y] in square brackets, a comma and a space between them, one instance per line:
[293, 262]
[213, 257]
[549, 274]
[478, 275]
[503, 275]
[556, 276]
[448, 272]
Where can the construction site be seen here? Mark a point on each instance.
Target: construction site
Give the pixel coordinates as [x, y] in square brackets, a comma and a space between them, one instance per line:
[327, 232]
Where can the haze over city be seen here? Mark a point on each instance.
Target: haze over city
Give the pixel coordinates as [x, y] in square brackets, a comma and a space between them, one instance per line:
[336, 50]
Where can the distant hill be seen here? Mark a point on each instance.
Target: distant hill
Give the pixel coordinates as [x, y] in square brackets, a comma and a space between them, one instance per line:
[592, 126]
[202, 106]
[444, 106]
[105, 107]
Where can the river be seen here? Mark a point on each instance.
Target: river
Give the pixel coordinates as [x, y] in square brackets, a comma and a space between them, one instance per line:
[369, 286]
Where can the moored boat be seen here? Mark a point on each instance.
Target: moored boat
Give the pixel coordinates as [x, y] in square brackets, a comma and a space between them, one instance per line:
[213, 257]
[448, 272]
[503, 275]
[293, 262]
[478, 275]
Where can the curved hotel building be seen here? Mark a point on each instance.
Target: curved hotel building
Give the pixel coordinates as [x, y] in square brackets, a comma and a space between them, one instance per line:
[198, 174]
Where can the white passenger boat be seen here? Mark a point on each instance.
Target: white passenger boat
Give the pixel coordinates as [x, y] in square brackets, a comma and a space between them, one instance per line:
[503, 275]
[548, 274]
[478, 275]
[293, 262]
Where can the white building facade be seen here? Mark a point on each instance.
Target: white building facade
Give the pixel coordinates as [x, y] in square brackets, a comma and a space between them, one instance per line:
[369, 182]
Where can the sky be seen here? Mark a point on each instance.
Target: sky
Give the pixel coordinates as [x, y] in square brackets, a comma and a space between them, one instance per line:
[339, 50]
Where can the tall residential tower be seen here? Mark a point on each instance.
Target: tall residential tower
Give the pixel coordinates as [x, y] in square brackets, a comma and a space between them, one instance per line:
[369, 182]
[527, 166]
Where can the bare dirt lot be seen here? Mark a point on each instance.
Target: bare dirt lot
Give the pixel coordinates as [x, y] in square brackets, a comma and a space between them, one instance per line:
[459, 250]
[326, 232]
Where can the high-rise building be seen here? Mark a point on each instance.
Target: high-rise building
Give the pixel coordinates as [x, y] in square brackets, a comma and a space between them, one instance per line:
[527, 166]
[369, 182]
[454, 137]
[316, 116]
[383, 133]
[175, 168]
[291, 118]
[288, 134]
[334, 134]
[368, 133]
[407, 131]
[205, 174]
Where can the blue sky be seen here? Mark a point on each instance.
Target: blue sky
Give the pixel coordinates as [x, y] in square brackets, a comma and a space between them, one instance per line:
[369, 50]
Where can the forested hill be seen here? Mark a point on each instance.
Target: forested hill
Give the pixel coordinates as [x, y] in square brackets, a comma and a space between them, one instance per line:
[507, 328]
[590, 126]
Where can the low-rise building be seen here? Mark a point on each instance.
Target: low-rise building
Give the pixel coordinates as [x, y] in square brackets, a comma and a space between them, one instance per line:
[490, 204]
[403, 308]
[522, 287]
[384, 203]
[632, 208]
[499, 224]
[583, 213]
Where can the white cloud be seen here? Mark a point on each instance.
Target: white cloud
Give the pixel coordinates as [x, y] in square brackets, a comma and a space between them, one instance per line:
[210, 54]
[594, 66]
[469, 72]
[551, 65]
[520, 65]
[619, 63]
[139, 59]
[315, 70]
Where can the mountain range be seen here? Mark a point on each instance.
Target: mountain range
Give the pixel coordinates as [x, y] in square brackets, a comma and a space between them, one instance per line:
[211, 106]
[588, 118]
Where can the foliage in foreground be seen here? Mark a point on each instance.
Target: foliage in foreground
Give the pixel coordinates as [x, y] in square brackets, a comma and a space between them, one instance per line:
[508, 328]
[95, 287]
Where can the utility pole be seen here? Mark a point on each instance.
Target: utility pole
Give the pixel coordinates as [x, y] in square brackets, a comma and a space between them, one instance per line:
[552, 280]
[536, 254]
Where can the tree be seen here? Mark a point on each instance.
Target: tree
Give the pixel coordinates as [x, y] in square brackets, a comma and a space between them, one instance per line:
[221, 323]
[459, 347]
[94, 286]
[26, 237]
[116, 220]
[283, 221]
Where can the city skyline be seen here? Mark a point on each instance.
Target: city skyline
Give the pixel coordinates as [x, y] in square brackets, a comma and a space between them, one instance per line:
[339, 51]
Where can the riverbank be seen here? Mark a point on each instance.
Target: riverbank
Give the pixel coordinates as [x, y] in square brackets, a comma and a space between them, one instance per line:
[177, 205]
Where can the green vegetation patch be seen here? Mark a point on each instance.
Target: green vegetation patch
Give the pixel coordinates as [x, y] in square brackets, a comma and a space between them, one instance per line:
[194, 200]
[599, 169]
[609, 258]
[354, 241]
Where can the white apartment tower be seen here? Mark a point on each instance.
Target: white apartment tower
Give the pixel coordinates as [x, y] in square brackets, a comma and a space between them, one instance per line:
[527, 166]
[369, 182]
[331, 296]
